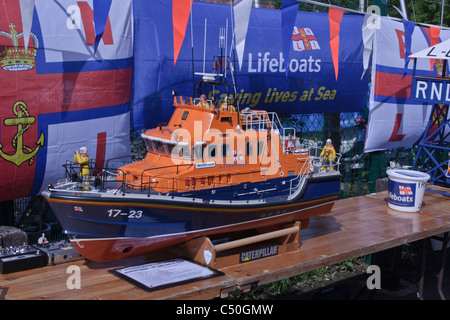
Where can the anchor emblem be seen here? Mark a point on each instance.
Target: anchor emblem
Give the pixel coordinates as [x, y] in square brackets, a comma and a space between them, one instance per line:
[23, 121]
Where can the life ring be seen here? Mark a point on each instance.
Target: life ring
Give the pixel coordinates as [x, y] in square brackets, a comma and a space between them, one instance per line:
[287, 147]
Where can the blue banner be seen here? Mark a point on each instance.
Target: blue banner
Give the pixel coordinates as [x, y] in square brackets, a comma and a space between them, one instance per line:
[305, 82]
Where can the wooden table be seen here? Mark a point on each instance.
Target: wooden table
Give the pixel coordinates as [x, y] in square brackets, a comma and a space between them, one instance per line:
[355, 227]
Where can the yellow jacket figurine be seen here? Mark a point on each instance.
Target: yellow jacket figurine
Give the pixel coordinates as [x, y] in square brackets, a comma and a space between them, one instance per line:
[83, 160]
[328, 152]
[227, 106]
[203, 102]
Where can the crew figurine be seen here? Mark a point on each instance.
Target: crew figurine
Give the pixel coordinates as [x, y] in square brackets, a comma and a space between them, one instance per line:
[226, 106]
[82, 159]
[203, 102]
[329, 155]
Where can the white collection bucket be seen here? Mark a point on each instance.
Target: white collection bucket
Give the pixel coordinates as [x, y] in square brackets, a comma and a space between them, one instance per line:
[406, 189]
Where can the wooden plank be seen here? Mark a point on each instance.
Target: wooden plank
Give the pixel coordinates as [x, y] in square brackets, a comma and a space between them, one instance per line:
[355, 227]
[367, 225]
[97, 282]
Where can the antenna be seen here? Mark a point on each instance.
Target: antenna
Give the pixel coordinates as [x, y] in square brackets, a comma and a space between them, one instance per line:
[221, 45]
[233, 32]
[204, 46]
[226, 46]
[221, 37]
[192, 49]
[207, 77]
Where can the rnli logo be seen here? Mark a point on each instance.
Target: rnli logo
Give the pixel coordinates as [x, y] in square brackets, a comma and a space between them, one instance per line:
[304, 39]
[401, 194]
[405, 190]
[22, 122]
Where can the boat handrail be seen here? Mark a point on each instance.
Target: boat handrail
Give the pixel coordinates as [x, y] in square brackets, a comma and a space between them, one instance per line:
[329, 167]
[262, 120]
[72, 168]
[115, 159]
[172, 184]
[300, 178]
[312, 163]
[165, 167]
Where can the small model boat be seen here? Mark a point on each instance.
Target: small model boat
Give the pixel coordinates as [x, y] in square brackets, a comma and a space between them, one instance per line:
[211, 171]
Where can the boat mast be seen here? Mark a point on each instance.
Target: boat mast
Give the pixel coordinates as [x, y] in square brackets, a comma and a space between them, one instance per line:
[223, 64]
[233, 78]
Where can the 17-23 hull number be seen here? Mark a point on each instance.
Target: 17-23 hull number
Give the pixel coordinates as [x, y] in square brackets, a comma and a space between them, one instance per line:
[133, 214]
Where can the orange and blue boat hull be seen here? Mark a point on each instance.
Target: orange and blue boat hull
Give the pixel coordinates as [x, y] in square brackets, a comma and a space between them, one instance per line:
[104, 226]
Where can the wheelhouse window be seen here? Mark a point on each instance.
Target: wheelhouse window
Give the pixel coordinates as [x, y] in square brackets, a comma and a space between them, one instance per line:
[260, 147]
[249, 148]
[225, 150]
[161, 147]
[198, 150]
[181, 151]
[148, 145]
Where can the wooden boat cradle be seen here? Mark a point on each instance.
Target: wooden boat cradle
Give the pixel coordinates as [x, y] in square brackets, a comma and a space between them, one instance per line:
[226, 254]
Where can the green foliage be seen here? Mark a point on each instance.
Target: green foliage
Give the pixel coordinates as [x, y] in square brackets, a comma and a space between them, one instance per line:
[423, 11]
[349, 4]
[420, 11]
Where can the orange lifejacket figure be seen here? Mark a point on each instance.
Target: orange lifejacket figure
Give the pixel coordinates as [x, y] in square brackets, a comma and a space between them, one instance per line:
[227, 106]
[203, 102]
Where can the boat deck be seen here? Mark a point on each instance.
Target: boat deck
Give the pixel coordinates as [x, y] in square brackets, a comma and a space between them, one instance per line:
[356, 227]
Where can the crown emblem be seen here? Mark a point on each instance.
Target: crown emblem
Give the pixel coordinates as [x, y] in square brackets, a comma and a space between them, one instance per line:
[13, 58]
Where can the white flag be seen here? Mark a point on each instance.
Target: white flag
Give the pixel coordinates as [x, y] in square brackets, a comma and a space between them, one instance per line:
[26, 11]
[242, 10]
[368, 31]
